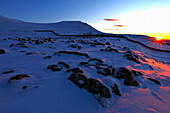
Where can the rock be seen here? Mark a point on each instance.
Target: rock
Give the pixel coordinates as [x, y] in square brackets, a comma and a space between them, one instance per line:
[95, 59]
[11, 45]
[127, 75]
[131, 82]
[37, 42]
[19, 77]
[124, 73]
[106, 71]
[54, 67]
[64, 64]
[73, 45]
[79, 79]
[96, 87]
[75, 53]
[20, 44]
[154, 80]
[79, 47]
[76, 70]
[29, 53]
[6, 72]
[42, 42]
[2, 51]
[111, 49]
[136, 73]
[132, 57]
[50, 39]
[83, 63]
[107, 43]
[115, 89]
[47, 57]
[24, 87]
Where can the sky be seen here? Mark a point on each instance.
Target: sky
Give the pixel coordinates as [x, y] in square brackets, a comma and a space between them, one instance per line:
[111, 16]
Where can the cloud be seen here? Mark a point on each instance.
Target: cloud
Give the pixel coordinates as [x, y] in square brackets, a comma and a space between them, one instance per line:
[119, 25]
[111, 20]
[112, 29]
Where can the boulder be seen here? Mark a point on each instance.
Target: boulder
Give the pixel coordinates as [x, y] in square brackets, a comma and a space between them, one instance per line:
[136, 73]
[83, 63]
[126, 74]
[2, 51]
[76, 70]
[19, 77]
[96, 87]
[132, 57]
[67, 66]
[54, 67]
[78, 79]
[106, 71]
[115, 89]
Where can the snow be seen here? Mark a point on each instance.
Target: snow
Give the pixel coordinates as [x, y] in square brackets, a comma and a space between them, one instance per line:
[13, 28]
[51, 92]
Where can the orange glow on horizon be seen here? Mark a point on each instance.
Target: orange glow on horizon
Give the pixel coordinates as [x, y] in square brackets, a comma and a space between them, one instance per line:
[151, 22]
[158, 38]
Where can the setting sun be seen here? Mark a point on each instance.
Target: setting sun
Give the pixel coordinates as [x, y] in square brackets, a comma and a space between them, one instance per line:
[158, 38]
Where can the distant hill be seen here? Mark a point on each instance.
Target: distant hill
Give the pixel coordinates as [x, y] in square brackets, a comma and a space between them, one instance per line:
[11, 27]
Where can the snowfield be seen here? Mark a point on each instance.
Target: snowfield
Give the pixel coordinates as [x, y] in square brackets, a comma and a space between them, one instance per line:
[45, 73]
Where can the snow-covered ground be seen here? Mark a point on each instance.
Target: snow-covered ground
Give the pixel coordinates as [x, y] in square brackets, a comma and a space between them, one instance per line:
[144, 86]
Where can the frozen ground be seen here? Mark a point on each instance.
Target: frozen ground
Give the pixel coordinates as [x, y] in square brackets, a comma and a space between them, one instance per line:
[144, 86]
[49, 91]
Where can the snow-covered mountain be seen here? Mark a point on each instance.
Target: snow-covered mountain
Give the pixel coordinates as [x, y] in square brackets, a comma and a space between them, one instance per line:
[11, 27]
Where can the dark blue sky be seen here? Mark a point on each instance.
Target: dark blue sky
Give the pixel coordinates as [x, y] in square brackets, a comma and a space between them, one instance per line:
[90, 11]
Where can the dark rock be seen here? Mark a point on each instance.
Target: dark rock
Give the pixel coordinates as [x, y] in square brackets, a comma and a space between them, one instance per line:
[111, 49]
[19, 77]
[136, 73]
[24, 46]
[24, 87]
[151, 67]
[20, 44]
[54, 67]
[95, 59]
[124, 73]
[47, 57]
[83, 63]
[75, 53]
[79, 79]
[42, 42]
[154, 80]
[79, 47]
[115, 89]
[106, 71]
[50, 39]
[96, 87]
[131, 82]
[11, 45]
[127, 75]
[37, 42]
[6, 72]
[64, 64]
[73, 45]
[107, 43]
[132, 57]
[2, 51]
[76, 70]
[29, 53]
